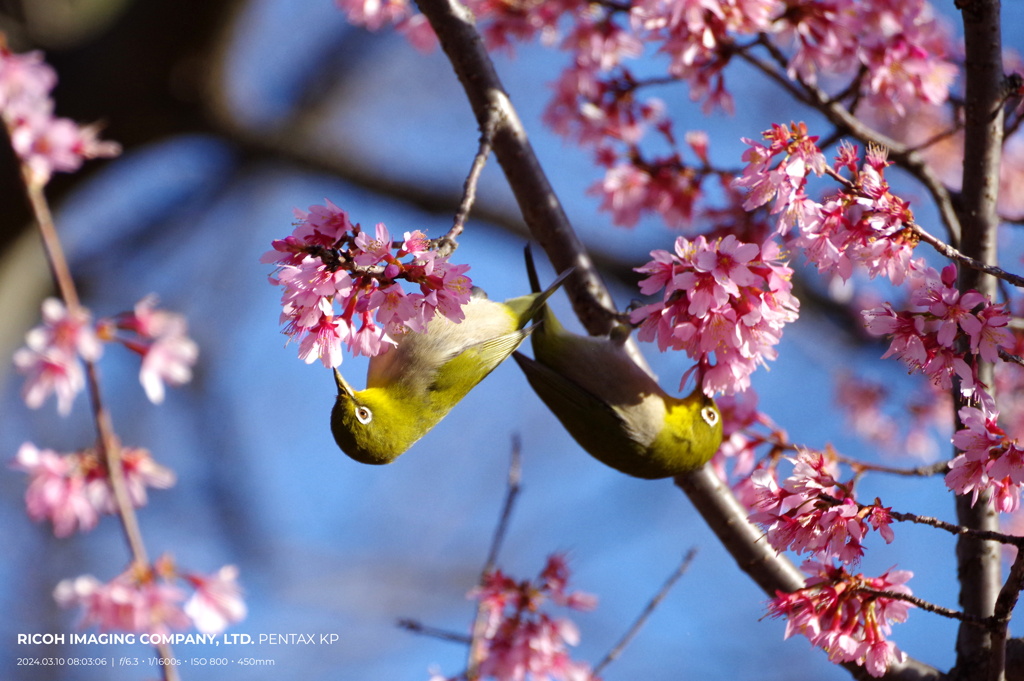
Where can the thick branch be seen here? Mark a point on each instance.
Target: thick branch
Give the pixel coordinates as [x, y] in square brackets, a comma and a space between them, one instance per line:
[772, 572]
[978, 562]
[1005, 603]
[454, 25]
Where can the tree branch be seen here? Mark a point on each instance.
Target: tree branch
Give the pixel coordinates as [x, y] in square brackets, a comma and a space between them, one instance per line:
[647, 611]
[447, 243]
[978, 561]
[455, 29]
[108, 444]
[543, 213]
[480, 622]
[1005, 603]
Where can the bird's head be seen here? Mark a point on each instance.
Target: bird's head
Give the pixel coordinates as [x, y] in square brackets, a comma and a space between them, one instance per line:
[371, 425]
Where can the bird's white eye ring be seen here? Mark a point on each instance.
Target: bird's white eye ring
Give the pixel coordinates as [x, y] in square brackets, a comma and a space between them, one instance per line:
[710, 416]
[363, 415]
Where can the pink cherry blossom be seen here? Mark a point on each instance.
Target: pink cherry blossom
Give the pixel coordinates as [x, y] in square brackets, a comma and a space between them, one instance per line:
[51, 356]
[925, 334]
[168, 360]
[43, 143]
[57, 489]
[161, 338]
[335, 277]
[49, 371]
[217, 601]
[839, 613]
[137, 600]
[521, 641]
[737, 300]
[72, 490]
[991, 461]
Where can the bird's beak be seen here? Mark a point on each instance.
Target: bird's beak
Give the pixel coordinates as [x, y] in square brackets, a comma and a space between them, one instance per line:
[343, 387]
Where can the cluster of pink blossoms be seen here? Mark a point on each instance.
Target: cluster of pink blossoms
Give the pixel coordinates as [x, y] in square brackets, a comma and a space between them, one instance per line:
[72, 490]
[795, 516]
[52, 357]
[519, 641]
[724, 297]
[839, 613]
[902, 45]
[862, 224]
[149, 600]
[832, 610]
[328, 264]
[902, 51]
[742, 423]
[990, 461]
[926, 335]
[44, 143]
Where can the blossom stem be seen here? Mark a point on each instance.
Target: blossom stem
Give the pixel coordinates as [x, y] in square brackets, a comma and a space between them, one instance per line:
[51, 242]
[939, 136]
[646, 613]
[107, 441]
[960, 530]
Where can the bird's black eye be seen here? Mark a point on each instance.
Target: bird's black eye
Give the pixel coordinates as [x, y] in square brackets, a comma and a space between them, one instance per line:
[364, 415]
[710, 416]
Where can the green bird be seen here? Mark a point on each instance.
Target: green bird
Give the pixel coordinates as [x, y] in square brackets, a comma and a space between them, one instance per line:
[612, 407]
[411, 387]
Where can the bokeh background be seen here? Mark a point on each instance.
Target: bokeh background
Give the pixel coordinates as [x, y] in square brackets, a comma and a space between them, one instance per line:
[234, 113]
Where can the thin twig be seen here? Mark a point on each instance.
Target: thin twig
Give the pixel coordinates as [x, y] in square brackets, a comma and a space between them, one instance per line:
[646, 613]
[1007, 357]
[515, 475]
[919, 471]
[953, 254]
[929, 607]
[107, 442]
[480, 623]
[853, 89]
[959, 530]
[417, 627]
[938, 137]
[447, 244]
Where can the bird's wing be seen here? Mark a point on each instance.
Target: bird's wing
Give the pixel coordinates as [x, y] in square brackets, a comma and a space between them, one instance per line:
[459, 374]
[571, 403]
